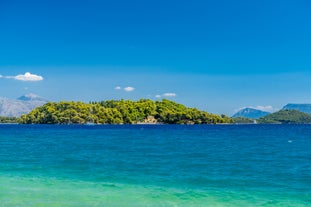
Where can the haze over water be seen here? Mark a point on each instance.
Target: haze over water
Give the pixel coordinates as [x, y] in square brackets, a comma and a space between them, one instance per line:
[166, 165]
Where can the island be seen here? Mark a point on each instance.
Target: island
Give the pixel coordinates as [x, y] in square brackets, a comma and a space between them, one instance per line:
[286, 116]
[143, 111]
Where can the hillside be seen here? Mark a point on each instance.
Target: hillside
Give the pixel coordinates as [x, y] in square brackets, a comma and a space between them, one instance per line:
[306, 108]
[120, 112]
[286, 117]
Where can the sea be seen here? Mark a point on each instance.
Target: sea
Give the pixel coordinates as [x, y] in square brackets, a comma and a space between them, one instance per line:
[155, 165]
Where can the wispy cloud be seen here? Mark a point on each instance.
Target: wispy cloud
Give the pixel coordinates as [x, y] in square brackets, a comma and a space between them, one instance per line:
[1, 76]
[169, 94]
[166, 95]
[126, 89]
[117, 88]
[26, 77]
[129, 89]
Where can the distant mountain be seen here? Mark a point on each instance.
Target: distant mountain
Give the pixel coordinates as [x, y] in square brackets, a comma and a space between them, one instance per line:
[286, 117]
[306, 108]
[20, 106]
[250, 113]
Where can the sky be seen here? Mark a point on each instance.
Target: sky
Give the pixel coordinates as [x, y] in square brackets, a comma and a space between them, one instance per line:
[218, 56]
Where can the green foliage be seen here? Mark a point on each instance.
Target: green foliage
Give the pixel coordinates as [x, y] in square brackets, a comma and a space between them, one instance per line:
[286, 117]
[8, 120]
[120, 112]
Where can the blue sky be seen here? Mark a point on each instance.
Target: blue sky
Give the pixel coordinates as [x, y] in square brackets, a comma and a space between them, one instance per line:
[218, 56]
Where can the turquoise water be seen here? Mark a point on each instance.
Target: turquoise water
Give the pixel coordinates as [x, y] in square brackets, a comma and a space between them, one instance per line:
[166, 165]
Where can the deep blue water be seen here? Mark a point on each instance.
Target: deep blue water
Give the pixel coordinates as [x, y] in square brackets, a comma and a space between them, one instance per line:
[174, 165]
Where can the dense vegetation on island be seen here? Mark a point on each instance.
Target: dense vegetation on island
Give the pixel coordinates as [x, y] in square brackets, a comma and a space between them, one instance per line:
[8, 120]
[286, 117]
[120, 112]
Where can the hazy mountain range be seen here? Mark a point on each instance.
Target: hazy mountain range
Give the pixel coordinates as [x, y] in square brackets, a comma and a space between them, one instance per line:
[21, 105]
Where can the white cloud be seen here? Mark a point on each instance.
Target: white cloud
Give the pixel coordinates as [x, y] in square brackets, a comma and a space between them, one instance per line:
[27, 77]
[1, 76]
[129, 89]
[169, 94]
[166, 95]
[117, 88]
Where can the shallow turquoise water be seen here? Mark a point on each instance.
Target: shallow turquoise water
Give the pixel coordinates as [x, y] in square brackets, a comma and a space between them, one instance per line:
[219, 165]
